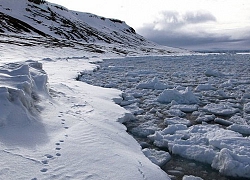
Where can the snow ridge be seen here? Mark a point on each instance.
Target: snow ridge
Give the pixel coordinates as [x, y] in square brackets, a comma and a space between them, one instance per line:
[20, 89]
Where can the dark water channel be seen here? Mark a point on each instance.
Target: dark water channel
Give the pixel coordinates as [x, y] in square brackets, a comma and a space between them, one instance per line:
[125, 74]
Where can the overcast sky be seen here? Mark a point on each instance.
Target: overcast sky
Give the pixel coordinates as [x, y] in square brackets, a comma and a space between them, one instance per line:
[191, 24]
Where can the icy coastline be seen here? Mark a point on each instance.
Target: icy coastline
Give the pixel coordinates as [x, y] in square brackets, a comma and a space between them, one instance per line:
[180, 104]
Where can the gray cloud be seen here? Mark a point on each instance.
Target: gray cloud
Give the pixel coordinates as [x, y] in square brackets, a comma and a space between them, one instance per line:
[198, 17]
[187, 31]
[174, 19]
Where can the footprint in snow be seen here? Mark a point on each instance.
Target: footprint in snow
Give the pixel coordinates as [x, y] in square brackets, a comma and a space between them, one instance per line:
[44, 170]
[48, 156]
[45, 162]
[58, 154]
[66, 127]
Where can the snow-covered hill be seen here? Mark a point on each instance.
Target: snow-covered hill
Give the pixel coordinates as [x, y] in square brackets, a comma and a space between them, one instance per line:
[50, 22]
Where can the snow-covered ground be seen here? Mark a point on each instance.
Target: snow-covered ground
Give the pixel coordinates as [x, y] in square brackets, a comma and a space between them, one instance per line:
[196, 107]
[54, 127]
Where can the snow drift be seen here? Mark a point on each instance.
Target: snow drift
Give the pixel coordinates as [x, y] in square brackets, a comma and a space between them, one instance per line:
[21, 86]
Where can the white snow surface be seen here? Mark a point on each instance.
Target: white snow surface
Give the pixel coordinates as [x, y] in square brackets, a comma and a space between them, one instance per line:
[54, 127]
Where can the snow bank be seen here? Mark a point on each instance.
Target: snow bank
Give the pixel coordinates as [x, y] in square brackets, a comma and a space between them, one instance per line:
[181, 97]
[21, 86]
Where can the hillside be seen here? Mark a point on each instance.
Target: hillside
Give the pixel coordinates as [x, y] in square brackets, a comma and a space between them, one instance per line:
[49, 24]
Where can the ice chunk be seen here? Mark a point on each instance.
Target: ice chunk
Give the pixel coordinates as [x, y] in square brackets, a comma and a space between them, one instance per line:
[222, 109]
[238, 120]
[228, 84]
[231, 164]
[186, 177]
[157, 157]
[205, 87]
[133, 108]
[210, 72]
[195, 152]
[176, 112]
[152, 84]
[117, 100]
[158, 136]
[185, 108]
[222, 93]
[181, 97]
[247, 107]
[243, 129]
[171, 129]
[144, 129]
[177, 120]
[222, 121]
[205, 118]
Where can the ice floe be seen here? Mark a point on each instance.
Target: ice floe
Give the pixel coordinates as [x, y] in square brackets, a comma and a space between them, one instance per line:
[222, 109]
[177, 120]
[181, 97]
[186, 177]
[157, 157]
[152, 84]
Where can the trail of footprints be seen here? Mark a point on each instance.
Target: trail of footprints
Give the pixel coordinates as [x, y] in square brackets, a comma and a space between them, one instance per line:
[49, 157]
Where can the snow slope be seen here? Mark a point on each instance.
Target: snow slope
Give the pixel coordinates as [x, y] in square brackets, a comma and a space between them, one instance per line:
[54, 127]
[55, 24]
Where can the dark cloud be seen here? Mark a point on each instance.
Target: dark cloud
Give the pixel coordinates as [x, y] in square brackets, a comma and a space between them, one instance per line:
[187, 31]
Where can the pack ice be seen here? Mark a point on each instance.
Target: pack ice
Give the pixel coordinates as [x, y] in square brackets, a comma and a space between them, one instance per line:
[196, 107]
